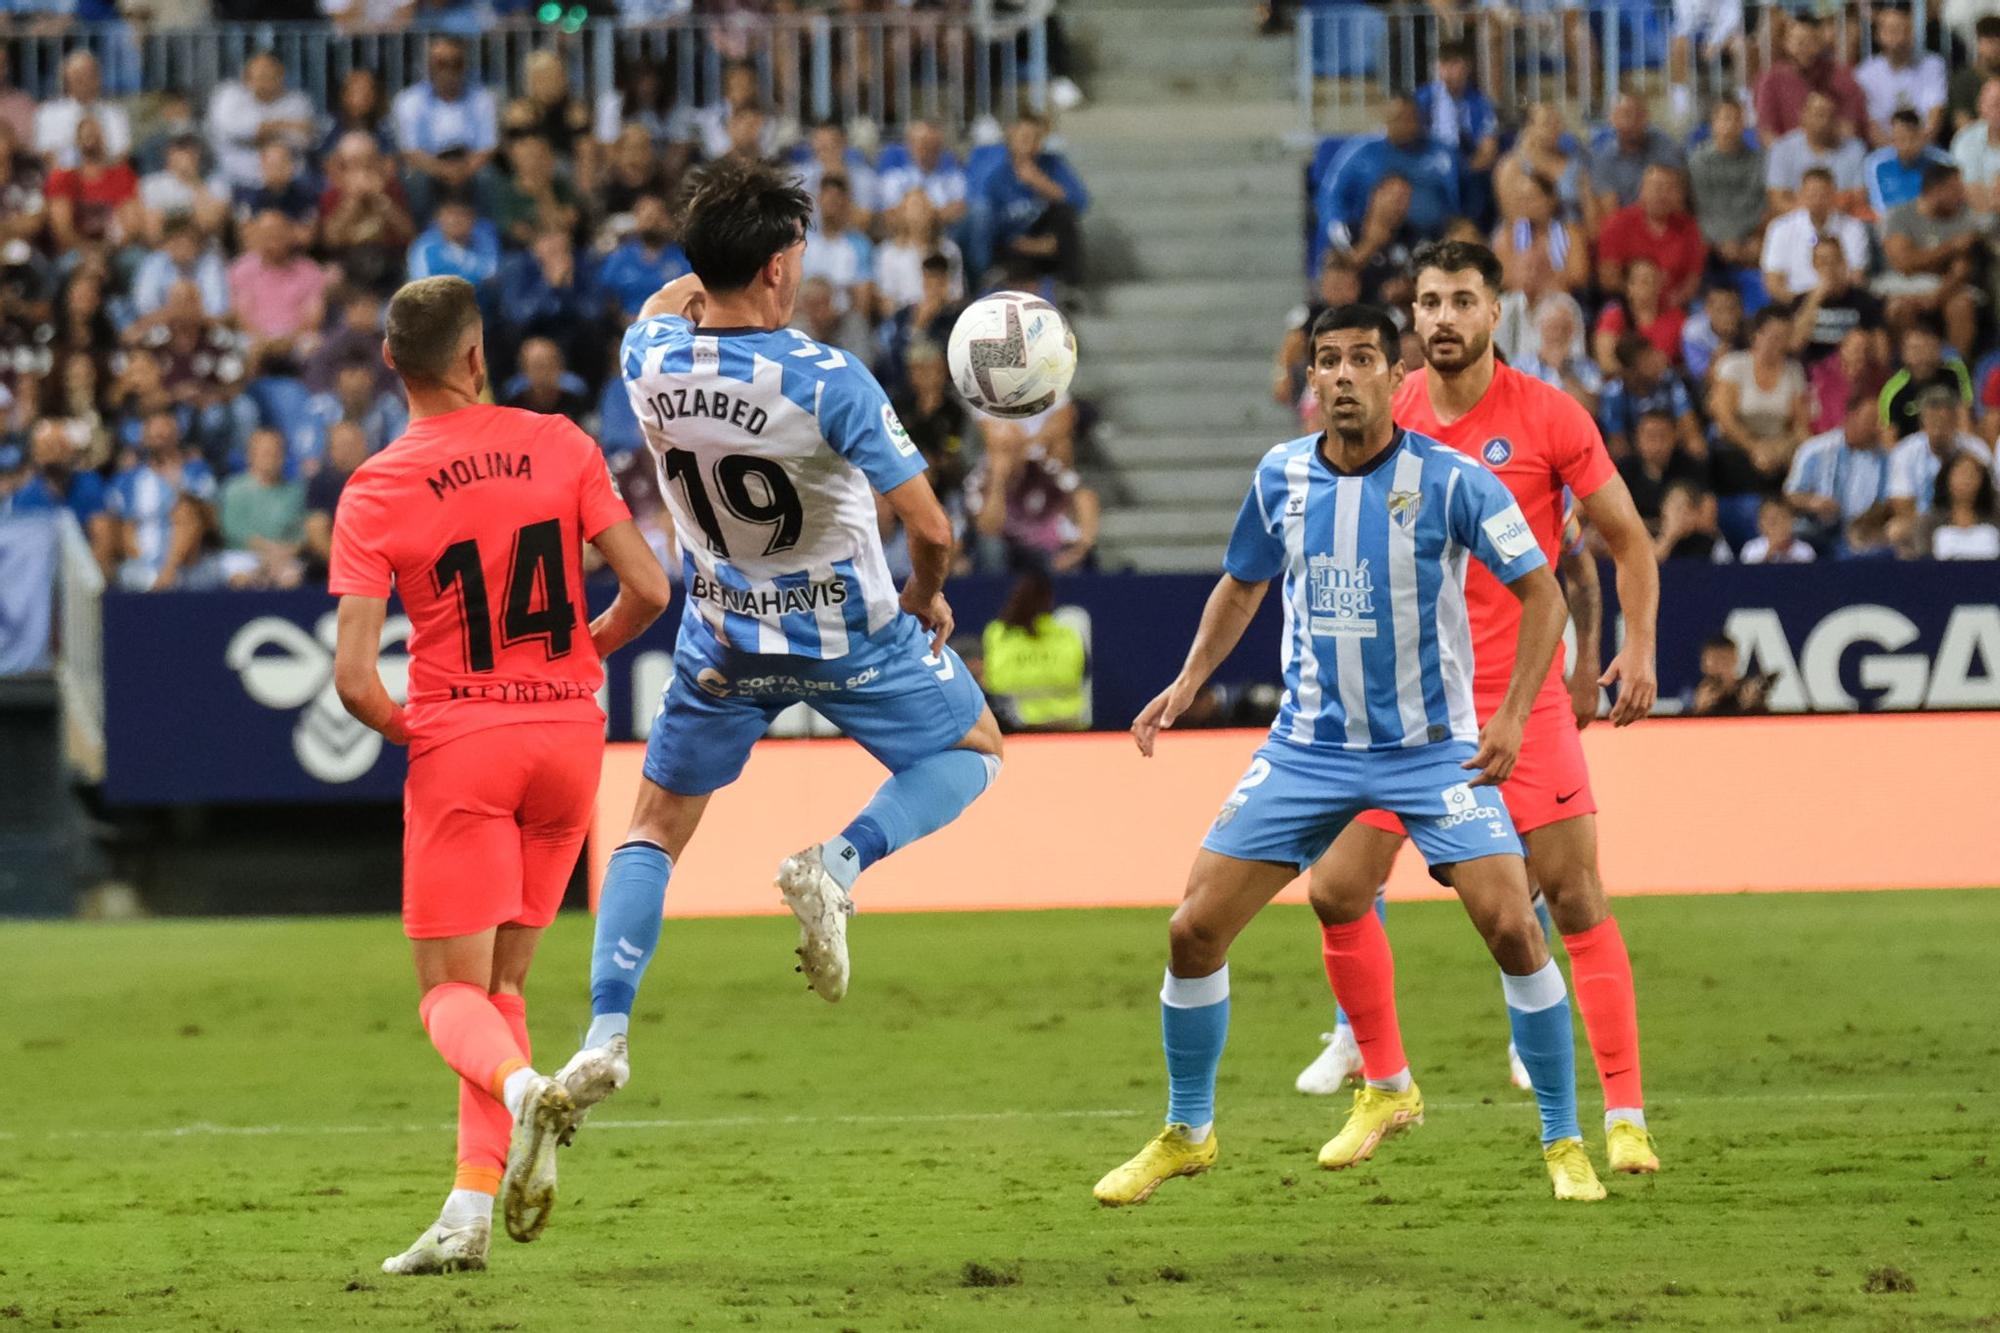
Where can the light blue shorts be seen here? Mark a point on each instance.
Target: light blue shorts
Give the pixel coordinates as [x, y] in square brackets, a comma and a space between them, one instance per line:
[1294, 800]
[894, 696]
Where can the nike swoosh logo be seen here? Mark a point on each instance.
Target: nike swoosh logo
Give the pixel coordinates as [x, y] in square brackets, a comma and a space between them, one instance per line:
[1565, 800]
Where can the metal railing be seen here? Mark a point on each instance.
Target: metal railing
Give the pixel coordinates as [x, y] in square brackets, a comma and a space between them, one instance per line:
[890, 68]
[1353, 57]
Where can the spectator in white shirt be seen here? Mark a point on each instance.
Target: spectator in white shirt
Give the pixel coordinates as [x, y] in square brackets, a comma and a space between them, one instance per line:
[1819, 141]
[446, 128]
[1776, 543]
[839, 252]
[1976, 149]
[1964, 522]
[178, 190]
[932, 168]
[182, 256]
[83, 98]
[1899, 76]
[914, 233]
[1787, 261]
[241, 115]
[1916, 461]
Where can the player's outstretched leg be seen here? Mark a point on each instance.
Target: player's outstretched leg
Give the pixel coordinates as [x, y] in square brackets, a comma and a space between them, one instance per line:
[629, 906]
[817, 883]
[1565, 860]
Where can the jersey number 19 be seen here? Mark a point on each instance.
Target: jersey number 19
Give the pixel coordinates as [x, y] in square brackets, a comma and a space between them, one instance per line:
[778, 507]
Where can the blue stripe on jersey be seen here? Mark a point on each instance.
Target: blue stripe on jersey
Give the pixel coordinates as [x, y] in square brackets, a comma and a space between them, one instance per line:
[854, 611]
[800, 628]
[736, 359]
[1430, 583]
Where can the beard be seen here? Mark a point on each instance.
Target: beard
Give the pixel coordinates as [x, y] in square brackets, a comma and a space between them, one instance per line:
[1457, 357]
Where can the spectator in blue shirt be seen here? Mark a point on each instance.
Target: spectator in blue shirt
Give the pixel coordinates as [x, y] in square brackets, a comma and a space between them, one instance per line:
[459, 244]
[55, 482]
[1400, 149]
[645, 261]
[1838, 484]
[550, 292]
[1646, 383]
[1027, 212]
[1461, 117]
[1895, 173]
[932, 168]
[357, 400]
[182, 257]
[164, 504]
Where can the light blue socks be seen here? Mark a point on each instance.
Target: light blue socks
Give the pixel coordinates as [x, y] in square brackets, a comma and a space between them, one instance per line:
[1194, 1024]
[628, 931]
[921, 799]
[1538, 1013]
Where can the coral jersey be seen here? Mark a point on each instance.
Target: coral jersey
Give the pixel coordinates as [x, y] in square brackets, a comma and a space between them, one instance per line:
[477, 518]
[1537, 440]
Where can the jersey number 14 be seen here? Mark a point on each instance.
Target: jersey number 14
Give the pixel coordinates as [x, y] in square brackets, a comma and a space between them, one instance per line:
[537, 566]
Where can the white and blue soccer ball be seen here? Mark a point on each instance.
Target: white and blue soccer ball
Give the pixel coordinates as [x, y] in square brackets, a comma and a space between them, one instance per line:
[1011, 354]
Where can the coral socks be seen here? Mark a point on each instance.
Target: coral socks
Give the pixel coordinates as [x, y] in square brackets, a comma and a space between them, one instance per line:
[1601, 972]
[472, 1035]
[1362, 972]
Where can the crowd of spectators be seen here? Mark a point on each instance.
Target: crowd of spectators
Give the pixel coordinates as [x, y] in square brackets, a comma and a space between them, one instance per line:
[1782, 314]
[191, 304]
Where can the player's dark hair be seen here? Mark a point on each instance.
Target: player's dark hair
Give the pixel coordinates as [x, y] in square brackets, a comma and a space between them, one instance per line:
[1456, 257]
[738, 214]
[1363, 316]
[426, 325]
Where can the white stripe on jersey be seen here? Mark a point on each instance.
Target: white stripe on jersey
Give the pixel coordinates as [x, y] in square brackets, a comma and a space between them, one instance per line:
[1404, 610]
[1298, 607]
[830, 619]
[1351, 672]
[1455, 627]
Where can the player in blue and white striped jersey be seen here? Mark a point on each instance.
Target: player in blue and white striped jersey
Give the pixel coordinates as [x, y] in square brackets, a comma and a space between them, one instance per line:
[772, 449]
[1368, 528]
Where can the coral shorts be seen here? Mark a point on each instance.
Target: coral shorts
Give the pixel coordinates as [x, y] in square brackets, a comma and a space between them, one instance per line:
[492, 824]
[1551, 782]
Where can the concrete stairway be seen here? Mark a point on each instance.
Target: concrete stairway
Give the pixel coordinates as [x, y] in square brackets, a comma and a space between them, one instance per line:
[1194, 251]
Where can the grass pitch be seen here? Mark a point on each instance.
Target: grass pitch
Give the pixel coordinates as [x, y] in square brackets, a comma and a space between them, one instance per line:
[228, 1125]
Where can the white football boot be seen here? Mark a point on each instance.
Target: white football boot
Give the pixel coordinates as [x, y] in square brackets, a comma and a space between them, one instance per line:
[822, 908]
[444, 1249]
[591, 1076]
[1340, 1061]
[528, 1191]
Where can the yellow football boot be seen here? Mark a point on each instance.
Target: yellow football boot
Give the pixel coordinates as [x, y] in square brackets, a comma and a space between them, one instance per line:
[1170, 1154]
[1629, 1149]
[1570, 1171]
[1378, 1114]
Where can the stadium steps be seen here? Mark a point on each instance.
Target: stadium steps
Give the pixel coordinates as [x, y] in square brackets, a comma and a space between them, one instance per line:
[1193, 251]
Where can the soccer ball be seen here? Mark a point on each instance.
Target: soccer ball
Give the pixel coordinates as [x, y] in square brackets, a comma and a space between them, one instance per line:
[1011, 354]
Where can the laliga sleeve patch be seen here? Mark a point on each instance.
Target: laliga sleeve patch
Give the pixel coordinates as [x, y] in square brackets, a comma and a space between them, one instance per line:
[1509, 532]
[897, 435]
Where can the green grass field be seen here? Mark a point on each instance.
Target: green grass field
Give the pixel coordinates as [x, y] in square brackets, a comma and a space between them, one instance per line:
[228, 1125]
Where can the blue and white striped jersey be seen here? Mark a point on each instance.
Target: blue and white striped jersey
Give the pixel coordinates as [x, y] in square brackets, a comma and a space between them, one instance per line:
[1377, 645]
[770, 448]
